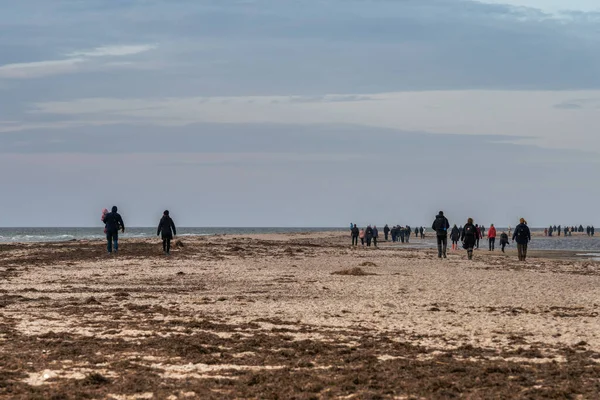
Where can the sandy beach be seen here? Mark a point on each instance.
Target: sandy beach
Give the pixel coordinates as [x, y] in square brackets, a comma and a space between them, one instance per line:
[294, 316]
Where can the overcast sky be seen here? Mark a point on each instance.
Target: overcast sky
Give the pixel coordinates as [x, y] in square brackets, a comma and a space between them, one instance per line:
[298, 113]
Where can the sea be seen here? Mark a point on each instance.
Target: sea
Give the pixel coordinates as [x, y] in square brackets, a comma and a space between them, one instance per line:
[587, 247]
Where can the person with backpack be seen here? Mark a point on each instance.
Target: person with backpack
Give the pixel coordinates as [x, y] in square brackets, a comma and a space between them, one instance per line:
[114, 224]
[455, 237]
[523, 236]
[492, 237]
[166, 228]
[440, 226]
[354, 233]
[386, 232]
[469, 237]
[503, 240]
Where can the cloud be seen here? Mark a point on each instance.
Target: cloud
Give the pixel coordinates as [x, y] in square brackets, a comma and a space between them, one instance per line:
[40, 68]
[113, 51]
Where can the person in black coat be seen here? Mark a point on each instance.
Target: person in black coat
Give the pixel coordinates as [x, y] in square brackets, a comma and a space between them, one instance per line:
[440, 226]
[113, 223]
[166, 228]
[386, 232]
[455, 237]
[523, 236]
[469, 237]
[503, 240]
[369, 235]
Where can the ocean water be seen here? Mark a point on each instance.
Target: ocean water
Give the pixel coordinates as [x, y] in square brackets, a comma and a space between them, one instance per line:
[32, 235]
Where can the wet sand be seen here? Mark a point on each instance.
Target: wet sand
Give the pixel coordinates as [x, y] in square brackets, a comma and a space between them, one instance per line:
[294, 316]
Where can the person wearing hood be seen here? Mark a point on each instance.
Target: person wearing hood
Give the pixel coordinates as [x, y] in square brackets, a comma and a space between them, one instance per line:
[166, 228]
[440, 226]
[114, 224]
[354, 233]
[455, 237]
[523, 236]
[369, 235]
[386, 232]
[492, 237]
[469, 237]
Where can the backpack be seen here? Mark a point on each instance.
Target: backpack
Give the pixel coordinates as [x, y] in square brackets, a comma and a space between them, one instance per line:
[469, 230]
[521, 231]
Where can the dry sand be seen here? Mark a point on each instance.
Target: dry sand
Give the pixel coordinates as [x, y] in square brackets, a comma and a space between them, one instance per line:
[294, 316]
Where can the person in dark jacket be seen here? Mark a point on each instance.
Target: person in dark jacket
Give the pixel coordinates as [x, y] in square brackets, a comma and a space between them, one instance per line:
[375, 235]
[478, 229]
[386, 232]
[166, 228]
[407, 233]
[503, 240]
[523, 236]
[354, 233]
[401, 233]
[394, 232]
[422, 232]
[455, 237]
[469, 237]
[440, 226]
[114, 224]
[369, 235]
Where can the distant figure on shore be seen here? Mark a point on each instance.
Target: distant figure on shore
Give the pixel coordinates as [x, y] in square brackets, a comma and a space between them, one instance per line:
[114, 224]
[354, 233]
[469, 237]
[416, 232]
[550, 231]
[369, 235]
[361, 235]
[407, 233]
[482, 229]
[558, 229]
[455, 237]
[545, 231]
[401, 232]
[492, 237]
[386, 232]
[566, 231]
[503, 240]
[523, 236]
[477, 236]
[592, 230]
[167, 230]
[440, 226]
[375, 235]
[422, 232]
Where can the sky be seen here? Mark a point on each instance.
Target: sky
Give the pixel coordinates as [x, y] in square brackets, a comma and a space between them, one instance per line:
[292, 113]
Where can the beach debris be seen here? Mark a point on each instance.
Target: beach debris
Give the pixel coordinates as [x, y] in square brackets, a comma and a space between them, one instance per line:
[91, 300]
[352, 271]
[368, 264]
[180, 273]
[179, 244]
[95, 379]
[121, 294]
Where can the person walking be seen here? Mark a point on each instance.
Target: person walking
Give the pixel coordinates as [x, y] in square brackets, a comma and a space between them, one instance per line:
[114, 223]
[478, 236]
[469, 237]
[416, 232]
[369, 235]
[401, 233]
[492, 237]
[523, 236]
[167, 230]
[361, 235]
[422, 232]
[503, 240]
[440, 226]
[455, 237]
[375, 235]
[354, 233]
[386, 232]
[407, 233]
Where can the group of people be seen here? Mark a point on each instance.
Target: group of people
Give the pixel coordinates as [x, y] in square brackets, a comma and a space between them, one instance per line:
[113, 223]
[369, 235]
[568, 230]
[469, 235]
